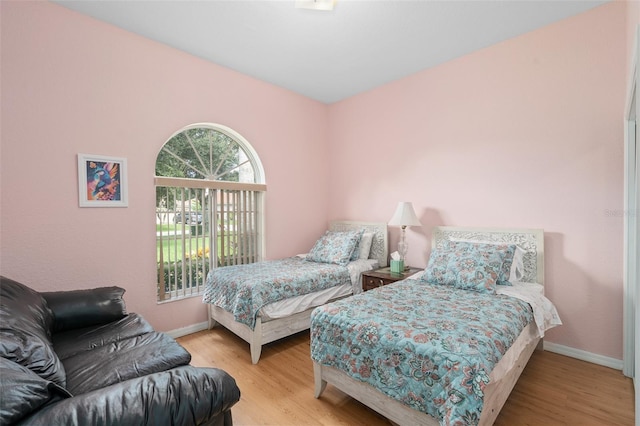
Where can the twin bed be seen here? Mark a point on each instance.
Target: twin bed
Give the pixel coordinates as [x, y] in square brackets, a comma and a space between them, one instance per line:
[439, 352]
[428, 350]
[250, 315]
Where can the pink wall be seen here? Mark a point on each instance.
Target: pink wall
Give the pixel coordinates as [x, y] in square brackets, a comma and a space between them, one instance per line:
[526, 133]
[71, 84]
[633, 19]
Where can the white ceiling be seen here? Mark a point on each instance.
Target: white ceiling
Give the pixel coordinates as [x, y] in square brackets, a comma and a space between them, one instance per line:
[329, 56]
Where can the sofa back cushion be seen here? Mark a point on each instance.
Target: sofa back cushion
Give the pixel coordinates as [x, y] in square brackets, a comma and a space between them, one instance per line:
[25, 331]
[71, 342]
[84, 308]
[23, 392]
[123, 360]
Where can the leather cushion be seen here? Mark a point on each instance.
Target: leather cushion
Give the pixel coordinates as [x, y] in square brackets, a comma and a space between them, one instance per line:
[123, 360]
[25, 331]
[22, 391]
[181, 396]
[72, 342]
[82, 308]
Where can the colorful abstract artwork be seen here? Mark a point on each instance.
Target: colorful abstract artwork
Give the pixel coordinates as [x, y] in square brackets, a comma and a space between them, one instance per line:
[102, 181]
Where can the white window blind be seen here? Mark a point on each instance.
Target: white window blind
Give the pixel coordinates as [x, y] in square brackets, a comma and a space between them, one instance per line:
[206, 224]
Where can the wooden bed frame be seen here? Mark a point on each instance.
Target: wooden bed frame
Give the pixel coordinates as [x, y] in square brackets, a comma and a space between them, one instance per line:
[496, 392]
[275, 329]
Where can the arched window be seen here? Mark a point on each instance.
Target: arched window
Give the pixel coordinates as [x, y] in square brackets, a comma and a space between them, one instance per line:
[209, 207]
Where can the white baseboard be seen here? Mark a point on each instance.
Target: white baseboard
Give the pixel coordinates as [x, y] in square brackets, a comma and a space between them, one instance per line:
[583, 355]
[190, 329]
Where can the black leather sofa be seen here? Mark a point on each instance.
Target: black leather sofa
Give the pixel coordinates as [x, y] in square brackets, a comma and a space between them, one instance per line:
[78, 358]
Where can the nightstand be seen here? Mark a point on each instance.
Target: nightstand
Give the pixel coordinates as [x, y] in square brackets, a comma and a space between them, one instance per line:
[384, 276]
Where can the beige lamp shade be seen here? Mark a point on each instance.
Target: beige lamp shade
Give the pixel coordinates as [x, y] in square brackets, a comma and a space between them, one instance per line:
[405, 215]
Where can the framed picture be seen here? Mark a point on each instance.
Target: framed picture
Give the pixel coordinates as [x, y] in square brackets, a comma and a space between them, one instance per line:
[102, 181]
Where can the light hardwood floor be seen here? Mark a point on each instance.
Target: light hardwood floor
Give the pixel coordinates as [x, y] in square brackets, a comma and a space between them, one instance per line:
[553, 389]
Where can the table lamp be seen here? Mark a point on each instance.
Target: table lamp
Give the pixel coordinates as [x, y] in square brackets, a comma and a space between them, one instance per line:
[404, 216]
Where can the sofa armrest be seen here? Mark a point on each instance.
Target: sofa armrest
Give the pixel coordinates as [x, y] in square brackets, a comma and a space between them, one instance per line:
[182, 396]
[83, 308]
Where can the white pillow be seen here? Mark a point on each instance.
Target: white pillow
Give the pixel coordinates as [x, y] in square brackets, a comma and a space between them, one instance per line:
[517, 267]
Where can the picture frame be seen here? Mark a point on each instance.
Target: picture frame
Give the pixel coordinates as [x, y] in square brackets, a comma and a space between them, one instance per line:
[102, 181]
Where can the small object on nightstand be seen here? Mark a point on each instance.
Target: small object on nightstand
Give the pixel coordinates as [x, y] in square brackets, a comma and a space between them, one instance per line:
[397, 266]
[383, 276]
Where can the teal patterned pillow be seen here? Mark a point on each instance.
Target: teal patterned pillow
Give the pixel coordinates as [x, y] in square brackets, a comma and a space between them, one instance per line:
[470, 266]
[509, 251]
[509, 254]
[355, 255]
[334, 247]
[512, 266]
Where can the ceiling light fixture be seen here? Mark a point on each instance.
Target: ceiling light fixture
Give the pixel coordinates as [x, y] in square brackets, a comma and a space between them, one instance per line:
[326, 5]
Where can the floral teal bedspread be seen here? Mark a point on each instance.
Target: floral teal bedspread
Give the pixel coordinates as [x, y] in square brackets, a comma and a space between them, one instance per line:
[243, 289]
[431, 347]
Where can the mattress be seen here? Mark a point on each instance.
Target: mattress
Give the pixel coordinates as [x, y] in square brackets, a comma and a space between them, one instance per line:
[288, 307]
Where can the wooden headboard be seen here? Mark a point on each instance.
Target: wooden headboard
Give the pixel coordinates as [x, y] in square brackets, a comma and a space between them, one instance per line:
[530, 240]
[380, 244]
